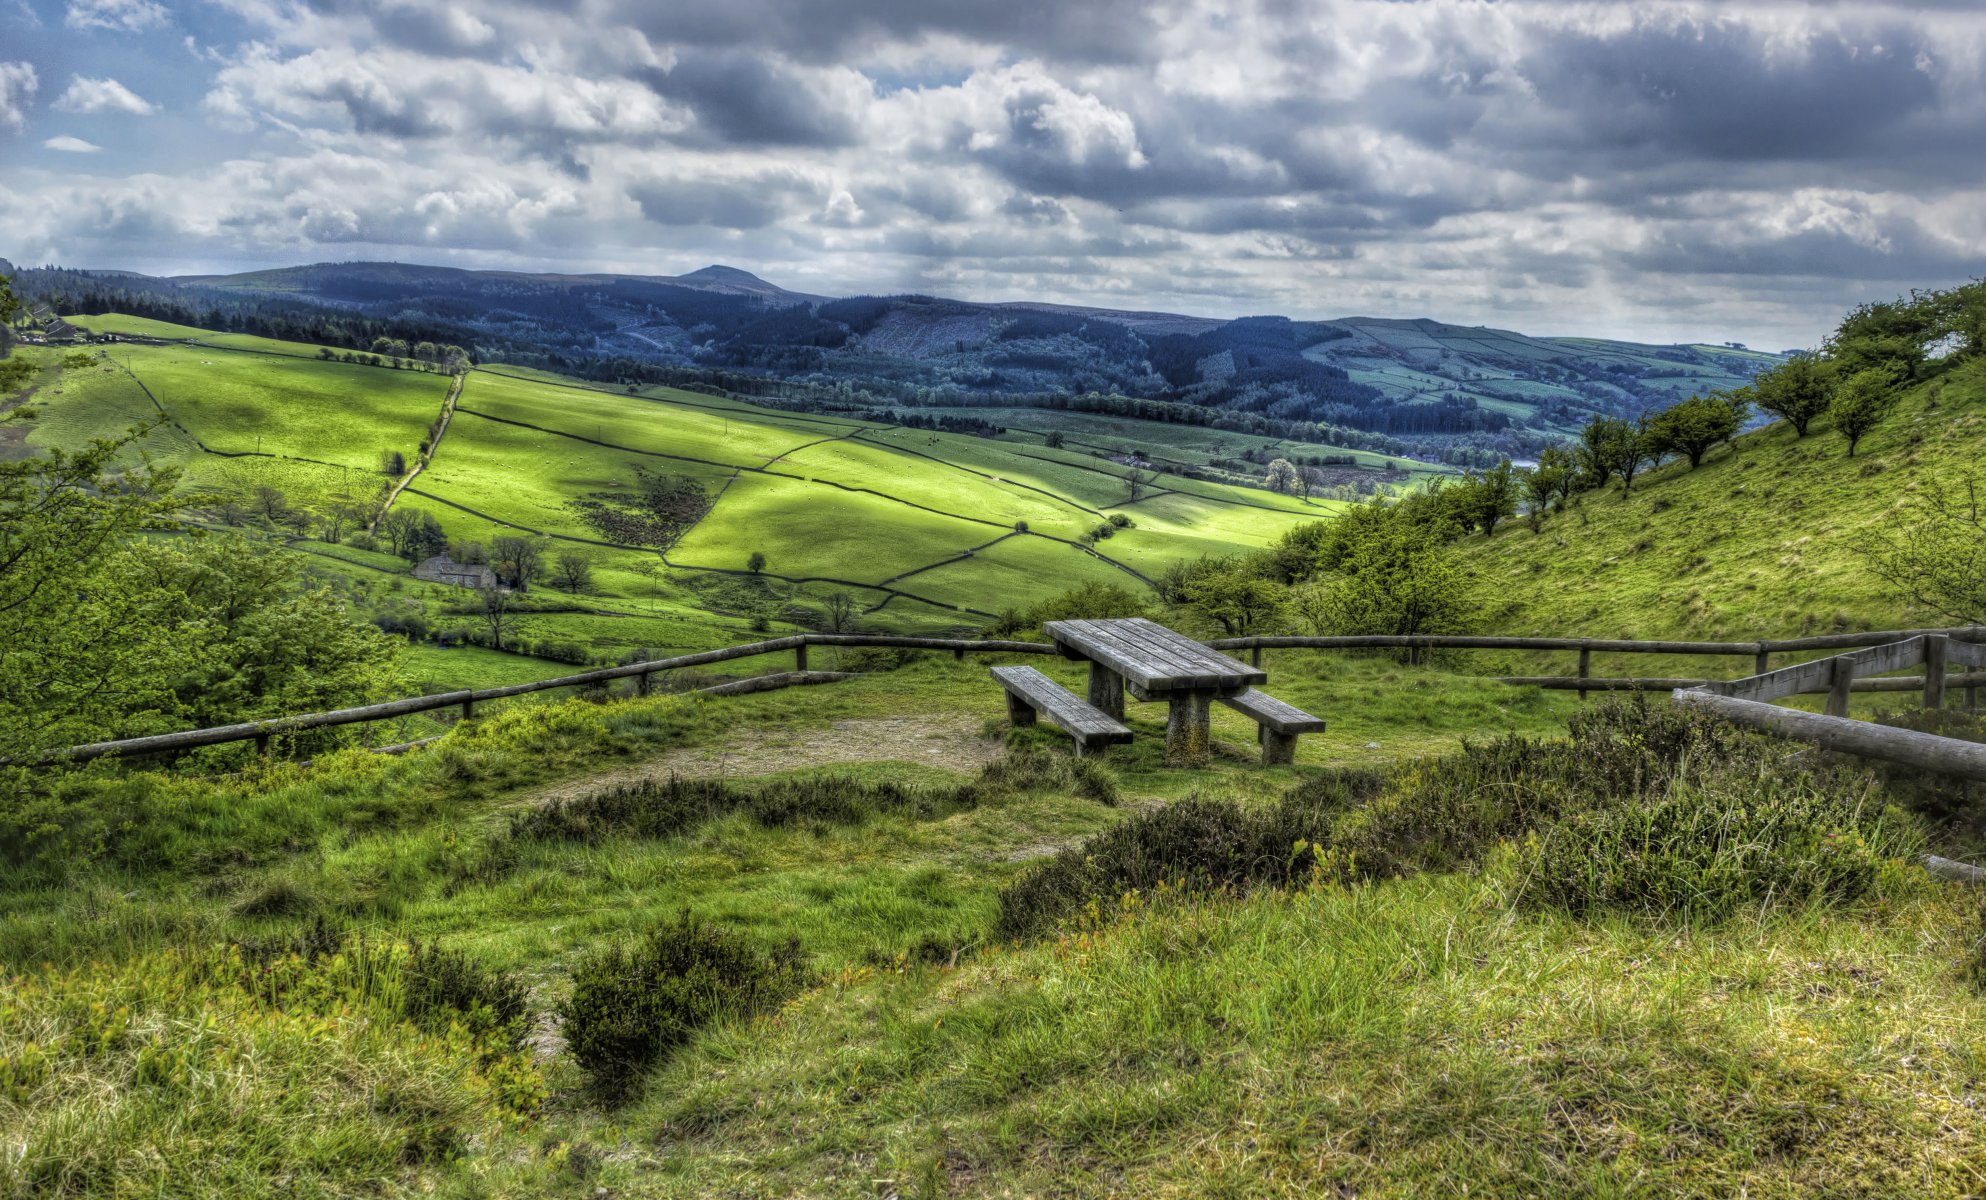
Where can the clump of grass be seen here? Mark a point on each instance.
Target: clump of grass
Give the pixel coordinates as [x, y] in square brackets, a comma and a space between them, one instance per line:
[660, 808]
[1197, 844]
[632, 1004]
[1707, 849]
[1020, 771]
[320, 1064]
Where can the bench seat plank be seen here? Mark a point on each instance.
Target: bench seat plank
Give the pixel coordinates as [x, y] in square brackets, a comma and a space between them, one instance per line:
[1064, 709]
[1276, 714]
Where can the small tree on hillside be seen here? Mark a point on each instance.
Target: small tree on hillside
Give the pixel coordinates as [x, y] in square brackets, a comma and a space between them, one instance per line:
[1240, 602]
[1282, 477]
[1485, 499]
[1052, 439]
[1634, 451]
[1599, 448]
[1137, 483]
[1862, 402]
[1796, 391]
[1392, 577]
[497, 608]
[517, 560]
[1692, 427]
[393, 463]
[756, 563]
[572, 572]
[838, 612]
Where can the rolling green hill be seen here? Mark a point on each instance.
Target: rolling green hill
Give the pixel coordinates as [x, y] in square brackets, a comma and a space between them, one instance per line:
[928, 531]
[1764, 538]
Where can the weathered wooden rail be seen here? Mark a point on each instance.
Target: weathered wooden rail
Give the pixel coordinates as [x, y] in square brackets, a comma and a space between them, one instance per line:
[1748, 702]
[1962, 649]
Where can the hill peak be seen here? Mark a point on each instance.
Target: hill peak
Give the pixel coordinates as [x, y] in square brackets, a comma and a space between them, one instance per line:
[719, 273]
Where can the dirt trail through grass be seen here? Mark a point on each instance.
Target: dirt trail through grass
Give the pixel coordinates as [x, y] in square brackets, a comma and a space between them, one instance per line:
[427, 456]
[952, 743]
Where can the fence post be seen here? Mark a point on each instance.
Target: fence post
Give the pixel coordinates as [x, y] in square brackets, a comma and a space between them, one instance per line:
[468, 708]
[262, 745]
[1841, 676]
[644, 683]
[800, 657]
[1255, 655]
[958, 656]
[1585, 669]
[1935, 647]
[1762, 661]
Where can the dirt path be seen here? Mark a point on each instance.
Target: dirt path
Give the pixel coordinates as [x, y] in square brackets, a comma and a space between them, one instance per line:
[953, 744]
[447, 411]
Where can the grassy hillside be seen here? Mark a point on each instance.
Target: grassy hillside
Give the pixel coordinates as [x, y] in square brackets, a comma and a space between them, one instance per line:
[1762, 539]
[928, 531]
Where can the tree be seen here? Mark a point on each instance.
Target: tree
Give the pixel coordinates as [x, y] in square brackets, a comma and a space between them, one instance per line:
[1486, 498]
[838, 612]
[1600, 448]
[650, 570]
[1137, 482]
[1633, 452]
[1693, 426]
[1934, 552]
[497, 607]
[1546, 485]
[1282, 477]
[1392, 577]
[1052, 439]
[1796, 391]
[1238, 600]
[516, 560]
[393, 463]
[573, 572]
[756, 563]
[1862, 402]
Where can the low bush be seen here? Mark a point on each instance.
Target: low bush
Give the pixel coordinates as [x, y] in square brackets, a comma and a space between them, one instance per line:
[316, 1065]
[632, 1004]
[1953, 808]
[1708, 849]
[660, 808]
[1196, 844]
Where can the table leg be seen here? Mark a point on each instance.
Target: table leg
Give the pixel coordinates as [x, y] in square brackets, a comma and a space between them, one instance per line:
[1189, 730]
[1106, 690]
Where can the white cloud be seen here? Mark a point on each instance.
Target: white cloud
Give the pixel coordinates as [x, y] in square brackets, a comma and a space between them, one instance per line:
[71, 145]
[87, 95]
[17, 84]
[127, 16]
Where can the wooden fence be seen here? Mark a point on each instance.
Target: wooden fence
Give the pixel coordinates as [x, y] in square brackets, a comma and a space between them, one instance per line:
[1961, 649]
[1748, 702]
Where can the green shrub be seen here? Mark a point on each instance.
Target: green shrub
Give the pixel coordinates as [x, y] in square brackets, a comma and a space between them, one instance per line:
[1955, 809]
[631, 1004]
[1706, 850]
[660, 808]
[1039, 771]
[1197, 844]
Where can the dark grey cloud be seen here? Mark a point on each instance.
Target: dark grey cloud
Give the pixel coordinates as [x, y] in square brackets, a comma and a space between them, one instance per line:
[745, 99]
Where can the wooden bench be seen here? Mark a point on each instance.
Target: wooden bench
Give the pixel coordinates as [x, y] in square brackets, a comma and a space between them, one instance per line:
[1277, 724]
[1029, 692]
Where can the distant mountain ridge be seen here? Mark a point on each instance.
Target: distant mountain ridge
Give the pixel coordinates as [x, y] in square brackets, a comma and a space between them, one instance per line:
[1401, 383]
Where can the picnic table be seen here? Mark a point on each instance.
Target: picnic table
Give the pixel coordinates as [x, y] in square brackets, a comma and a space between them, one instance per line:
[1155, 663]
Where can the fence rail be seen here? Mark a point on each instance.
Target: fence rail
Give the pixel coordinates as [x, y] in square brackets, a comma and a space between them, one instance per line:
[1960, 647]
[1748, 702]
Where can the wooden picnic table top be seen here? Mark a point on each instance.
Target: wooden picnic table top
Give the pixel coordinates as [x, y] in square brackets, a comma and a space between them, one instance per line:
[1151, 657]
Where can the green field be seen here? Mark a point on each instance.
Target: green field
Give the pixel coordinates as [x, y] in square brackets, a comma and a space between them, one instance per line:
[885, 513]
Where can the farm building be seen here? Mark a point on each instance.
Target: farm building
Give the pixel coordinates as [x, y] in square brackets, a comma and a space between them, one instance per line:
[443, 569]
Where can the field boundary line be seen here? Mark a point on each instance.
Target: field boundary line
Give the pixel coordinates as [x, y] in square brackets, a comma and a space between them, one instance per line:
[426, 456]
[677, 566]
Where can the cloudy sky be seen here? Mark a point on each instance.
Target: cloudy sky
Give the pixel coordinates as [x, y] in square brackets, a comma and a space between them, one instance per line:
[1654, 169]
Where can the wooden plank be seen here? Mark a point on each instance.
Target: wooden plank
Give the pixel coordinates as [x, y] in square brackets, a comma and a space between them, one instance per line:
[1786, 681]
[1130, 659]
[1267, 711]
[1060, 706]
[1152, 658]
[1946, 756]
[1965, 654]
